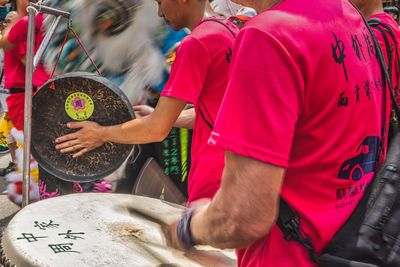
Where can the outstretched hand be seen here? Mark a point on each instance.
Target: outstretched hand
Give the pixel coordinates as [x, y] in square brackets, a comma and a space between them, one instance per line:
[82, 141]
[142, 110]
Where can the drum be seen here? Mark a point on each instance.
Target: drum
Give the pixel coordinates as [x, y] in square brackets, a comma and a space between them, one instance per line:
[77, 97]
[100, 230]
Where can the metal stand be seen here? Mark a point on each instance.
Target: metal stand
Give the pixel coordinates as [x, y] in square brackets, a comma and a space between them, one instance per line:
[32, 62]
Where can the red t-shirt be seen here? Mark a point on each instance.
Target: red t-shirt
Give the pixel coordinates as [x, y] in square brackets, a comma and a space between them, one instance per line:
[310, 87]
[14, 70]
[199, 76]
[394, 44]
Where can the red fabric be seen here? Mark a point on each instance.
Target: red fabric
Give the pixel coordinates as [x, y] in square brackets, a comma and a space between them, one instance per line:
[14, 70]
[15, 104]
[199, 76]
[285, 105]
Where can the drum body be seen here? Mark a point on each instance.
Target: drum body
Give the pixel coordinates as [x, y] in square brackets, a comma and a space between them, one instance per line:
[100, 230]
[78, 97]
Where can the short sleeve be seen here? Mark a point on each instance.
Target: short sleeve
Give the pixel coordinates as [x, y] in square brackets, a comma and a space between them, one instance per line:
[18, 32]
[263, 101]
[189, 71]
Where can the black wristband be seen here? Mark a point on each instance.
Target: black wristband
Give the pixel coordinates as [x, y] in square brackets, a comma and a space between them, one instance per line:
[183, 229]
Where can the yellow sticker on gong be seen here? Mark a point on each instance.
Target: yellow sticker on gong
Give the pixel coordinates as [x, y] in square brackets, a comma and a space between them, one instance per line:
[79, 106]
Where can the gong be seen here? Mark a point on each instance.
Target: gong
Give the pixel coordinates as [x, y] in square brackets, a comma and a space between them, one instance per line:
[77, 97]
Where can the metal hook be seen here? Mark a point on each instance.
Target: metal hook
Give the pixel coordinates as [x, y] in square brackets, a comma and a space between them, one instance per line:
[32, 8]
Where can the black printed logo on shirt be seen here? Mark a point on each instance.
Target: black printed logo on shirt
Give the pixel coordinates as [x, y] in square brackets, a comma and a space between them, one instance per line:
[363, 162]
[339, 54]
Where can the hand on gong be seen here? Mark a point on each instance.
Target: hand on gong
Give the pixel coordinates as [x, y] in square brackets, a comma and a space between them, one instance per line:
[82, 141]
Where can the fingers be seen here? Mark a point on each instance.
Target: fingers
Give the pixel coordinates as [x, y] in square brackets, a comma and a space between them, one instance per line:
[142, 110]
[76, 125]
[79, 142]
[67, 137]
[70, 147]
[138, 108]
[81, 153]
[64, 138]
[73, 146]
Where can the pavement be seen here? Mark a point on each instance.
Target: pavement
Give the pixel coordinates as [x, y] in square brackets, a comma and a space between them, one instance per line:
[7, 208]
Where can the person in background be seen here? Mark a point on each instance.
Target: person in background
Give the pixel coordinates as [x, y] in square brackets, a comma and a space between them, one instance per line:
[5, 124]
[14, 43]
[3, 108]
[315, 100]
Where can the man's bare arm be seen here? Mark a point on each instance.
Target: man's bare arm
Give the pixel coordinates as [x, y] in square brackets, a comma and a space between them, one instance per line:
[152, 128]
[185, 119]
[12, 17]
[243, 210]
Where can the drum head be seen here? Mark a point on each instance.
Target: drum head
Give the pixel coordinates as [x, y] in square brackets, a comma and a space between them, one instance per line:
[77, 97]
[101, 229]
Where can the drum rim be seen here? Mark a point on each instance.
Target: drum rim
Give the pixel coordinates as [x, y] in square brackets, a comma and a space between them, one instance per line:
[4, 261]
[94, 177]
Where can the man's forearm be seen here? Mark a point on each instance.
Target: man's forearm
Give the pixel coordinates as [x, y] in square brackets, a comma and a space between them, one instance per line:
[152, 128]
[138, 131]
[242, 211]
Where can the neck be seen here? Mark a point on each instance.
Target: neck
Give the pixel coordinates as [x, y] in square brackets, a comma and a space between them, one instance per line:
[22, 11]
[198, 12]
[263, 5]
[371, 8]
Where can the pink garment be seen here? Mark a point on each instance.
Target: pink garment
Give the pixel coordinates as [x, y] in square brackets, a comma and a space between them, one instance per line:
[199, 76]
[14, 70]
[305, 94]
[394, 43]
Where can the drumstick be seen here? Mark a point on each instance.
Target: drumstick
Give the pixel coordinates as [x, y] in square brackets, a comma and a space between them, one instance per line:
[163, 262]
[147, 216]
[150, 212]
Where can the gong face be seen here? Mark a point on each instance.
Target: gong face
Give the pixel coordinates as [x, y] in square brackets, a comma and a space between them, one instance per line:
[78, 97]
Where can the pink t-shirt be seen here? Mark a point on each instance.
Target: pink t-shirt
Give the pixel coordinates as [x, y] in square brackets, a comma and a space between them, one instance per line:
[199, 76]
[305, 94]
[394, 44]
[14, 70]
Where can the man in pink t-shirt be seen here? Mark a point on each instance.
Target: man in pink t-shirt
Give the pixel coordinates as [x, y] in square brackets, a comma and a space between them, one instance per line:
[305, 119]
[199, 77]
